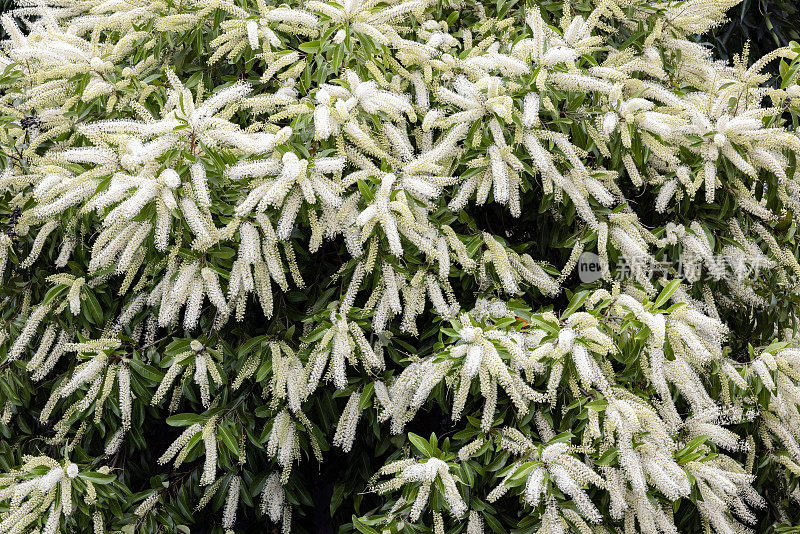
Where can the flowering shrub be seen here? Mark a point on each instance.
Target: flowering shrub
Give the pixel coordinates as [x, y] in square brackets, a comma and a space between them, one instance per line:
[315, 262]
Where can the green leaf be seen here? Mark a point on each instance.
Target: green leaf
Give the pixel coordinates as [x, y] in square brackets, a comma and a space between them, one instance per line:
[494, 524]
[309, 47]
[223, 253]
[564, 437]
[666, 293]
[366, 396]
[597, 405]
[339, 492]
[421, 444]
[365, 191]
[775, 346]
[607, 457]
[227, 437]
[687, 454]
[575, 302]
[146, 371]
[185, 419]
[97, 478]
[316, 334]
[524, 470]
[90, 305]
[53, 293]
[362, 527]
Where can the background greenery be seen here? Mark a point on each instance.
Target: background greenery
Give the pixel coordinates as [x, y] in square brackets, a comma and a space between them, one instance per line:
[767, 24]
[5, 5]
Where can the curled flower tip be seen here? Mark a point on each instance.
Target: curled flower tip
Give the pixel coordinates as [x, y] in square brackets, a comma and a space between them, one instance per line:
[170, 178]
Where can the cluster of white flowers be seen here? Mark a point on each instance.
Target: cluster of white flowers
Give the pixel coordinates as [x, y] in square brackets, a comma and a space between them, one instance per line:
[421, 475]
[42, 486]
[641, 435]
[348, 423]
[367, 135]
[567, 472]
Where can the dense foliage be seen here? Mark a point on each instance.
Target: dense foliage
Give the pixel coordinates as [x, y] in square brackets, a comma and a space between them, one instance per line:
[759, 24]
[286, 266]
